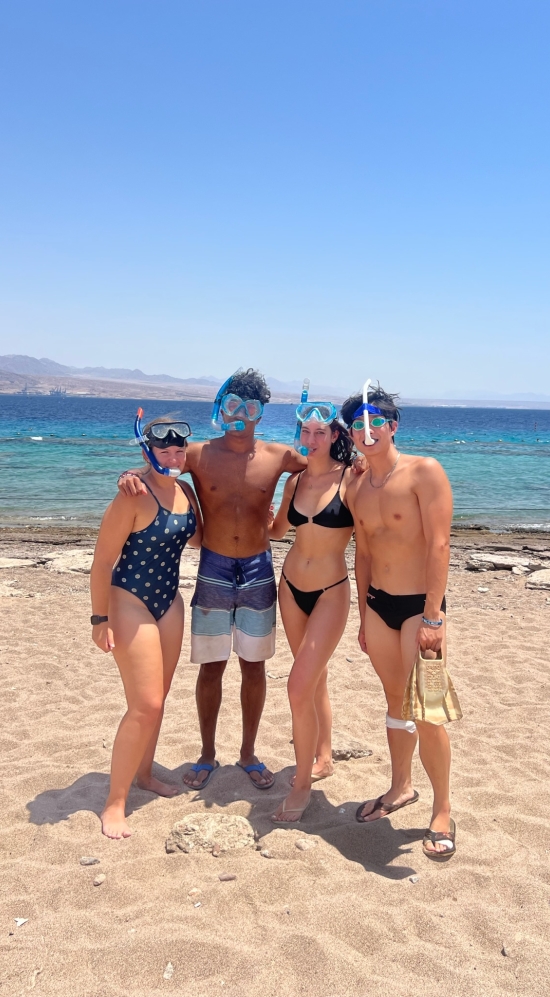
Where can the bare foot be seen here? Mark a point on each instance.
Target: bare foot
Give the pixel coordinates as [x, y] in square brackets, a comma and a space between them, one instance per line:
[291, 809]
[384, 805]
[156, 786]
[113, 822]
[263, 779]
[194, 779]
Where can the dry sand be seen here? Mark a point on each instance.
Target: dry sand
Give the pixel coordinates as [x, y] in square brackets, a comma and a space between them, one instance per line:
[342, 917]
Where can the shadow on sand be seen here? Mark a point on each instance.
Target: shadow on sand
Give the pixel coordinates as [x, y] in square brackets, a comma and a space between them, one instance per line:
[375, 846]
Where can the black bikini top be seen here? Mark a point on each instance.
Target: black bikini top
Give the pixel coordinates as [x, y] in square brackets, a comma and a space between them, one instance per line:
[334, 516]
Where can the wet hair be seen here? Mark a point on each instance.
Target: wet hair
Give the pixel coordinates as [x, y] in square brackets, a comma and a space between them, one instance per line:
[249, 384]
[376, 396]
[342, 448]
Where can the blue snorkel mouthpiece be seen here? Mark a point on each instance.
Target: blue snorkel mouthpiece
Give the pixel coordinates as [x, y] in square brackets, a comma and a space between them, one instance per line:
[170, 472]
[297, 446]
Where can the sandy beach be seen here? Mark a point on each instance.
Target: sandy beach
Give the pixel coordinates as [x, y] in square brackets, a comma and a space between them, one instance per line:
[355, 910]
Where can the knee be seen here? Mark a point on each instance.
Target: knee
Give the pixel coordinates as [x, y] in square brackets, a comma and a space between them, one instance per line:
[394, 699]
[212, 673]
[148, 711]
[299, 693]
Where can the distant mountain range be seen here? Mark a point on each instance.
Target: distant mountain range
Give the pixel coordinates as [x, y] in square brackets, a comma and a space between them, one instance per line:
[19, 373]
[32, 367]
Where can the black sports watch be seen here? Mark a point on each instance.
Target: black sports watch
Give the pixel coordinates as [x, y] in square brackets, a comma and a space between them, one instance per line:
[95, 619]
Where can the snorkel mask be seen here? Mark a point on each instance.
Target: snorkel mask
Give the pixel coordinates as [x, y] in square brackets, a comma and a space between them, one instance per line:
[311, 412]
[161, 435]
[364, 410]
[231, 404]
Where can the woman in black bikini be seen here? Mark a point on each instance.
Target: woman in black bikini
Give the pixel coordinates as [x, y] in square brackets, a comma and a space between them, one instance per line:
[137, 609]
[314, 593]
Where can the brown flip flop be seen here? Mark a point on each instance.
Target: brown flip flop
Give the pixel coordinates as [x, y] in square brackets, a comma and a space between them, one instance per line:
[390, 808]
[434, 836]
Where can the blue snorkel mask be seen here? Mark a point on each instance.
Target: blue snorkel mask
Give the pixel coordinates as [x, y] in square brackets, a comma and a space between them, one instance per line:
[231, 404]
[311, 412]
[162, 435]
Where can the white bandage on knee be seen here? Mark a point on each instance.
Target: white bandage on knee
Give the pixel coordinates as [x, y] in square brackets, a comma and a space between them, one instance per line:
[393, 724]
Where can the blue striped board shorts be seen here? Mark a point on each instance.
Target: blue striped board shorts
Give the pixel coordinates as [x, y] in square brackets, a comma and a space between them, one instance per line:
[235, 601]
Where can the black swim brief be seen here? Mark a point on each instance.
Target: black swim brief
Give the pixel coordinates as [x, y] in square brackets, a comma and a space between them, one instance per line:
[395, 609]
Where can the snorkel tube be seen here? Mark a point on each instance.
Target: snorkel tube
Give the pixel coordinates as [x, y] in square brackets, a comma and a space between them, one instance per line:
[368, 438]
[219, 424]
[170, 472]
[305, 392]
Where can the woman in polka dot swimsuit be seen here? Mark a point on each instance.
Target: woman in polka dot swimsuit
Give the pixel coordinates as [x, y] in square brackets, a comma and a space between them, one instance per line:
[143, 616]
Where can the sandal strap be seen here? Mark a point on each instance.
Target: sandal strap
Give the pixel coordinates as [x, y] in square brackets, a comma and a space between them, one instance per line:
[434, 836]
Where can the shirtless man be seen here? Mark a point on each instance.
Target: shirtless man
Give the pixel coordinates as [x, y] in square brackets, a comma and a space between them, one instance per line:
[235, 476]
[402, 508]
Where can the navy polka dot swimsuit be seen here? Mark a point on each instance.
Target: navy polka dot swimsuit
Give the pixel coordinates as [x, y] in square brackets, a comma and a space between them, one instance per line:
[149, 565]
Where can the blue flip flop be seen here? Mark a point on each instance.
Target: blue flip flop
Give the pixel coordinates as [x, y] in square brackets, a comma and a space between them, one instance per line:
[201, 767]
[257, 767]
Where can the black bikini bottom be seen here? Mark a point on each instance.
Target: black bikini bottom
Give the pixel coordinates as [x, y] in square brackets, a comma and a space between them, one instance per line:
[306, 601]
[395, 609]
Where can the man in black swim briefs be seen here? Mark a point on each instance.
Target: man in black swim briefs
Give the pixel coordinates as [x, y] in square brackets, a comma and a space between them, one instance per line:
[402, 508]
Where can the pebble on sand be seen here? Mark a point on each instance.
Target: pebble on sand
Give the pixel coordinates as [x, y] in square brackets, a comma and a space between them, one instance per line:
[304, 844]
[226, 877]
[89, 860]
[100, 879]
[168, 972]
[266, 854]
[414, 879]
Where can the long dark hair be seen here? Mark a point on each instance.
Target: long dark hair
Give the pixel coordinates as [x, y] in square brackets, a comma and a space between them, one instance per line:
[342, 448]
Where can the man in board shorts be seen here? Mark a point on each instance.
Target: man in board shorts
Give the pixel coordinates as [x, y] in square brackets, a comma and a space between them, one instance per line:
[234, 604]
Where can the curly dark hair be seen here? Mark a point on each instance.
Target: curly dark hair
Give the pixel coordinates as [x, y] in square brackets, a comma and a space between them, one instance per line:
[249, 384]
[342, 448]
[377, 396]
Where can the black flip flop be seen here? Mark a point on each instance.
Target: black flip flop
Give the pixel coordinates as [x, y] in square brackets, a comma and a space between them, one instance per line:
[390, 808]
[434, 836]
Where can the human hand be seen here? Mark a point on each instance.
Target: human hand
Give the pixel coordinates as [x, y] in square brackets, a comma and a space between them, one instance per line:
[270, 515]
[430, 638]
[360, 464]
[130, 484]
[102, 636]
[362, 639]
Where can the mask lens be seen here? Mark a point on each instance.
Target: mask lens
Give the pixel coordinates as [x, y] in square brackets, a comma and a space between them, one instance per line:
[319, 411]
[377, 421]
[253, 408]
[163, 431]
[231, 404]
[358, 424]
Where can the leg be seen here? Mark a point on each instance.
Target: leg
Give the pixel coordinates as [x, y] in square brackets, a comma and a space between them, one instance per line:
[295, 622]
[434, 747]
[171, 635]
[323, 765]
[209, 699]
[253, 690]
[323, 631]
[138, 654]
[392, 663]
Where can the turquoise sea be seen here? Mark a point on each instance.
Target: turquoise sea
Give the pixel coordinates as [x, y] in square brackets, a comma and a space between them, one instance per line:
[60, 456]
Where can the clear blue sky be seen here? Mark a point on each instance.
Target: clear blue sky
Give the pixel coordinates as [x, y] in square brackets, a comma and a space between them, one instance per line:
[334, 189]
